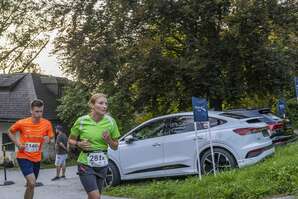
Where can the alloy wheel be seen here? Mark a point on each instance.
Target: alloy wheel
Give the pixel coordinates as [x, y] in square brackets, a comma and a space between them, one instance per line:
[109, 178]
[222, 162]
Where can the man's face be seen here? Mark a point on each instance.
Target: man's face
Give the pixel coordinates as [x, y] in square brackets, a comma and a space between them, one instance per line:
[37, 112]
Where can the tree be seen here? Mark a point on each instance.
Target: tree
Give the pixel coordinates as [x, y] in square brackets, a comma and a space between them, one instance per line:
[23, 34]
[154, 55]
[74, 103]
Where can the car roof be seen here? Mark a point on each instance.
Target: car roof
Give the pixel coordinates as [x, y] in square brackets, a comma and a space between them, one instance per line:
[185, 113]
[257, 110]
[210, 113]
[252, 113]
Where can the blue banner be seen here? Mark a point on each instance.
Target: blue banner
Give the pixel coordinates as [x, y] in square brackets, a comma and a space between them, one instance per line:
[296, 86]
[200, 109]
[281, 107]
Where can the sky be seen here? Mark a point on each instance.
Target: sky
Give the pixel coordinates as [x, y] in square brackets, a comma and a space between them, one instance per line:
[49, 63]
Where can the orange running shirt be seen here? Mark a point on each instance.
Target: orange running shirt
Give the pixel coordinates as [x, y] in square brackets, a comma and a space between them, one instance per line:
[32, 137]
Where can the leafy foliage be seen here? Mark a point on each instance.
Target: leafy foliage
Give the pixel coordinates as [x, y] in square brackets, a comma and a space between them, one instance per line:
[154, 55]
[292, 110]
[73, 104]
[23, 34]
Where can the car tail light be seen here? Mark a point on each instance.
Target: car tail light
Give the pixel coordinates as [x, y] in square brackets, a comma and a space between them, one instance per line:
[278, 126]
[246, 131]
[274, 127]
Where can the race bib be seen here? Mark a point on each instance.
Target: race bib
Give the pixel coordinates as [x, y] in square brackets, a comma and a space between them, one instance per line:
[32, 147]
[97, 159]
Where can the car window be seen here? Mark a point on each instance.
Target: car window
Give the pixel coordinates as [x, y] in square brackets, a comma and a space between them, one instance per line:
[181, 124]
[258, 120]
[213, 123]
[234, 115]
[266, 119]
[151, 130]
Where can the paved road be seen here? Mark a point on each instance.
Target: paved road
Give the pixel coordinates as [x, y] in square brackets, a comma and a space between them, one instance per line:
[69, 188]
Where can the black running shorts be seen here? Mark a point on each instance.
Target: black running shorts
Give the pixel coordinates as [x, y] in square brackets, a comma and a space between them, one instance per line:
[92, 178]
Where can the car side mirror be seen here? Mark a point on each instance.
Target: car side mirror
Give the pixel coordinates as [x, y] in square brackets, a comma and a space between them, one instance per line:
[129, 139]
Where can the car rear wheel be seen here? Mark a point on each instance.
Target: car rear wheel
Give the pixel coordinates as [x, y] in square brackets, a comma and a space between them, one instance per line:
[113, 176]
[222, 158]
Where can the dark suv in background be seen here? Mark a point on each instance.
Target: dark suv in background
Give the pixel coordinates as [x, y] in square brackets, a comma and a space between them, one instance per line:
[280, 129]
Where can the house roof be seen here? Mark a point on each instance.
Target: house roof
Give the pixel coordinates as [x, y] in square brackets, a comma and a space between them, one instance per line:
[18, 90]
[9, 81]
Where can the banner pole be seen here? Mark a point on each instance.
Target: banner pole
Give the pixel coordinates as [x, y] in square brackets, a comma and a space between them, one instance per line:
[198, 152]
[211, 147]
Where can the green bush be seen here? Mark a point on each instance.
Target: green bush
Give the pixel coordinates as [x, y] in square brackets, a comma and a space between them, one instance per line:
[292, 110]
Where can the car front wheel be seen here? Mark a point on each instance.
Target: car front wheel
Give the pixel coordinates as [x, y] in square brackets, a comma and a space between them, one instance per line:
[113, 175]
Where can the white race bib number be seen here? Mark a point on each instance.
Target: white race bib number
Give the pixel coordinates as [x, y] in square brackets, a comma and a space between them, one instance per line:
[32, 147]
[97, 159]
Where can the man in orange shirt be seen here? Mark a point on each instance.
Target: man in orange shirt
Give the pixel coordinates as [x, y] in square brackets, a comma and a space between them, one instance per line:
[33, 131]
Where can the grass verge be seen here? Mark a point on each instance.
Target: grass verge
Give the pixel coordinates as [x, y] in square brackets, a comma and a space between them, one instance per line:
[277, 175]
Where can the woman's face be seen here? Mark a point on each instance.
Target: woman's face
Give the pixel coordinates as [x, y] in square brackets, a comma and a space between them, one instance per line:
[100, 106]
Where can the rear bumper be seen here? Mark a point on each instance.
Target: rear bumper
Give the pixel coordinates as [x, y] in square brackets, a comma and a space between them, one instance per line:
[279, 140]
[250, 161]
[282, 133]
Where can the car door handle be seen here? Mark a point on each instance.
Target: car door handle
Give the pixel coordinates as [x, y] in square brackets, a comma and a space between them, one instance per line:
[156, 145]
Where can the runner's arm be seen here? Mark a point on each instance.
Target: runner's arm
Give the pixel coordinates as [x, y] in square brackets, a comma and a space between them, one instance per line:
[14, 140]
[72, 140]
[63, 146]
[114, 144]
[49, 137]
[111, 142]
[85, 145]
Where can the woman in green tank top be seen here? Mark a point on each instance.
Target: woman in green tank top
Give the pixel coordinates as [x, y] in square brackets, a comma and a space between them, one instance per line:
[97, 132]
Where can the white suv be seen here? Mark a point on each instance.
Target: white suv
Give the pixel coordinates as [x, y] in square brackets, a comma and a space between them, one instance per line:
[165, 146]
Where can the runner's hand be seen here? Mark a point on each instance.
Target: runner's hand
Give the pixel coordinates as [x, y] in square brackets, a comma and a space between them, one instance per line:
[106, 137]
[20, 146]
[85, 145]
